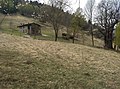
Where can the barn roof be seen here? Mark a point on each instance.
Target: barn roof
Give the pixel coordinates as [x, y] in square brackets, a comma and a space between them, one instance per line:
[28, 24]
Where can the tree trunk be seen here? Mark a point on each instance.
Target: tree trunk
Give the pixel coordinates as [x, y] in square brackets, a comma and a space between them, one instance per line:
[105, 41]
[110, 44]
[92, 35]
[74, 36]
[108, 40]
[56, 35]
[92, 39]
[73, 40]
[56, 31]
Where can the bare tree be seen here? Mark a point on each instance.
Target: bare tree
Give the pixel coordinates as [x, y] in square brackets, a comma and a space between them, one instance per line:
[67, 21]
[89, 9]
[78, 23]
[75, 25]
[108, 16]
[55, 14]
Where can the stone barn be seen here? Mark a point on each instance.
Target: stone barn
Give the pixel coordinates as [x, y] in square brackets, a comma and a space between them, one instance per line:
[30, 28]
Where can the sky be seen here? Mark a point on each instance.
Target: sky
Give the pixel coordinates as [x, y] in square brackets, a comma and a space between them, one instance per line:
[73, 3]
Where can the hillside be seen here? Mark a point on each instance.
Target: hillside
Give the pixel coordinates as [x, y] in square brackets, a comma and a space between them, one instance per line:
[10, 24]
[26, 63]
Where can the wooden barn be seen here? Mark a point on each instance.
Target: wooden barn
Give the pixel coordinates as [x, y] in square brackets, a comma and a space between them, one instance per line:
[30, 28]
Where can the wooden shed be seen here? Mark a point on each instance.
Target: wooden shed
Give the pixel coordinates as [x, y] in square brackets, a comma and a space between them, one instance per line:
[30, 28]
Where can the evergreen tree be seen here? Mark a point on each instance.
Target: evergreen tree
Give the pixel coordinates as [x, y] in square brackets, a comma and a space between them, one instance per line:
[8, 6]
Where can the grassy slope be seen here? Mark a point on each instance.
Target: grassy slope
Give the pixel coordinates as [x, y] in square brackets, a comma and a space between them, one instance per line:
[35, 64]
[10, 24]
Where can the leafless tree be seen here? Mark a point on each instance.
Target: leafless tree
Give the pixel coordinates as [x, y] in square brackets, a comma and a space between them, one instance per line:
[67, 20]
[56, 13]
[89, 9]
[108, 16]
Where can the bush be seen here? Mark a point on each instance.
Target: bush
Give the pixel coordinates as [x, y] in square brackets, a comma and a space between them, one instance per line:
[117, 35]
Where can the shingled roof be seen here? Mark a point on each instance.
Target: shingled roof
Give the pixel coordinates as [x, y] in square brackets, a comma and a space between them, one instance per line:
[28, 24]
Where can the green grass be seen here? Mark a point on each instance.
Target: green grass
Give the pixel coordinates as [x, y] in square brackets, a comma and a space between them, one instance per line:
[12, 32]
[50, 36]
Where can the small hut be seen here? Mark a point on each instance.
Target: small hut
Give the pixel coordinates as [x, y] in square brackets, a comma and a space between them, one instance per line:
[30, 28]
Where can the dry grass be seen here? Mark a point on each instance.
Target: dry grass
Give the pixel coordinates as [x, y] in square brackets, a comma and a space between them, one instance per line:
[35, 64]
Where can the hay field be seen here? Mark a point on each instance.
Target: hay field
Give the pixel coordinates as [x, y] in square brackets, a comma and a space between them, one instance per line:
[26, 63]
